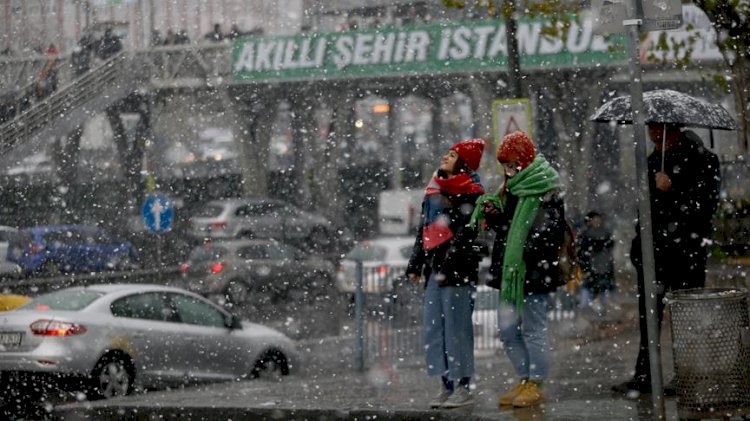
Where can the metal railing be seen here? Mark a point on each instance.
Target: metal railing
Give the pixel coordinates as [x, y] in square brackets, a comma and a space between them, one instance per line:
[388, 317]
[173, 66]
[111, 73]
[161, 68]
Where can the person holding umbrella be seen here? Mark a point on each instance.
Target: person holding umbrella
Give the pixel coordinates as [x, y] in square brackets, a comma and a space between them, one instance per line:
[683, 178]
[684, 181]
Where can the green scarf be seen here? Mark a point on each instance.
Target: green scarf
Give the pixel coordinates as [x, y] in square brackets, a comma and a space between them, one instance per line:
[529, 185]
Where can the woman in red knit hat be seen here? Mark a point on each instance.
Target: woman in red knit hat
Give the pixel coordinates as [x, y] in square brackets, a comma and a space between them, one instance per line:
[443, 253]
[528, 216]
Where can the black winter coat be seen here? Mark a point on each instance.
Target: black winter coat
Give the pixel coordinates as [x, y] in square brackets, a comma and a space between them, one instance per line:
[456, 259]
[681, 217]
[542, 248]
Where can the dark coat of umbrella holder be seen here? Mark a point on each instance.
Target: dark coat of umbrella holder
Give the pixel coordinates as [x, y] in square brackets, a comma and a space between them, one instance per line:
[711, 347]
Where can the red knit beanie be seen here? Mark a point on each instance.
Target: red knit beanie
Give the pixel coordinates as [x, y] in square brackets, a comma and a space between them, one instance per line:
[470, 151]
[517, 146]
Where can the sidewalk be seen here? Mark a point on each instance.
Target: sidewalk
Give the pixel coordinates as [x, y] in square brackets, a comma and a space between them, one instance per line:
[583, 369]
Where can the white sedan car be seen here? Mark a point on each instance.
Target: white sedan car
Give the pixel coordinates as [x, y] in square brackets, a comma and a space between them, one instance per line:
[108, 340]
[384, 260]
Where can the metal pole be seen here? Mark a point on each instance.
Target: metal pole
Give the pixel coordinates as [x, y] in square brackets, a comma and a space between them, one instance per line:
[397, 144]
[514, 61]
[644, 210]
[359, 316]
[158, 257]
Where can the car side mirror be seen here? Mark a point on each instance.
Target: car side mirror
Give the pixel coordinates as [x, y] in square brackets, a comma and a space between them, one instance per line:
[234, 323]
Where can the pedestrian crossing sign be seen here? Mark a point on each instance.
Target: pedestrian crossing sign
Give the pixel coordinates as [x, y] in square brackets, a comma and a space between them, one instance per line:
[510, 115]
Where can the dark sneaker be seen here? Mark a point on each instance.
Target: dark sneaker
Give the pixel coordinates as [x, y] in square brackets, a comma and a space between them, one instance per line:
[461, 397]
[630, 386]
[440, 398]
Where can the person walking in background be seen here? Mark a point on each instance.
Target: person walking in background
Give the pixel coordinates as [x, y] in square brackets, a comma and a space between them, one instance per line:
[182, 37]
[594, 248]
[684, 181]
[528, 215]
[216, 35]
[170, 38]
[234, 32]
[444, 254]
[80, 58]
[109, 45]
[47, 83]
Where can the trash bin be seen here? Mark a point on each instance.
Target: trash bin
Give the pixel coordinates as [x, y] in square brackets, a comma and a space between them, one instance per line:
[711, 348]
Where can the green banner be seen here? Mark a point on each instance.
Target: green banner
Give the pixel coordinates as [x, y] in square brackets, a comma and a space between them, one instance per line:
[447, 47]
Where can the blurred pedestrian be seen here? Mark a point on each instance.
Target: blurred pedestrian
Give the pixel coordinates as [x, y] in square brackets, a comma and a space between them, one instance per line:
[216, 35]
[170, 38]
[80, 58]
[108, 45]
[182, 37]
[684, 181]
[528, 215]
[47, 82]
[156, 38]
[595, 255]
[444, 254]
[234, 32]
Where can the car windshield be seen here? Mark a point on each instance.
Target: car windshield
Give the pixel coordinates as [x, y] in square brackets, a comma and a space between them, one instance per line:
[405, 251]
[202, 254]
[67, 300]
[208, 211]
[367, 252]
[19, 240]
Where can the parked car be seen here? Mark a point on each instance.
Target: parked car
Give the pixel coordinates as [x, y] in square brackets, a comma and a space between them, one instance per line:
[8, 269]
[6, 233]
[55, 249]
[261, 218]
[384, 260]
[257, 271]
[109, 340]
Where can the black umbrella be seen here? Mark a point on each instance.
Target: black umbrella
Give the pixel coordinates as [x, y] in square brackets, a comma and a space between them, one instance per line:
[668, 106]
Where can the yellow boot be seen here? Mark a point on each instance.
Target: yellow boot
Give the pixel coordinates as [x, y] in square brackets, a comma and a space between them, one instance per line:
[530, 395]
[506, 399]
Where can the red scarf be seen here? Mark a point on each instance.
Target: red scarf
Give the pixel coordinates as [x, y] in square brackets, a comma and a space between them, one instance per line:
[436, 226]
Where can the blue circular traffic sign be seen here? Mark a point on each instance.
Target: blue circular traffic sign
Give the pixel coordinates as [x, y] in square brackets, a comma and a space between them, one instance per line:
[158, 213]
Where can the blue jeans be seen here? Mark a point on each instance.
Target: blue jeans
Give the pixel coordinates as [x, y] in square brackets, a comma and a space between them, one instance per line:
[448, 331]
[524, 336]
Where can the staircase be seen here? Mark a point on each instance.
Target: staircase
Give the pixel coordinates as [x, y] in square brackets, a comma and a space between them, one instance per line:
[71, 105]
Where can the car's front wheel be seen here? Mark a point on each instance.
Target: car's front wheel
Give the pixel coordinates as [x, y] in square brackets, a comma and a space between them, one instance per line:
[113, 376]
[272, 364]
[319, 239]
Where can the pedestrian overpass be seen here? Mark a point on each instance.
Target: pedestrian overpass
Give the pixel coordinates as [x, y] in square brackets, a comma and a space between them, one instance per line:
[250, 78]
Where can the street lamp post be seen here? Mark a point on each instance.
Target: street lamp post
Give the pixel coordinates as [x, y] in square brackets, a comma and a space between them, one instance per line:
[632, 26]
